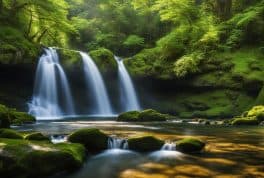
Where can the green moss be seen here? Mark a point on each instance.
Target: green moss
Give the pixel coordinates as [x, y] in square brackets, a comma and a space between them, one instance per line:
[16, 117]
[23, 158]
[143, 116]
[256, 110]
[104, 59]
[128, 116]
[36, 136]
[152, 115]
[190, 145]
[93, 139]
[8, 133]
[69, 58]
[145, 144]
[245, 121]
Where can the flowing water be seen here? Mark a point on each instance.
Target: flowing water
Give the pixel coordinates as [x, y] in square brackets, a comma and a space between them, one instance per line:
[96, 86]
[230, 151]
[128, 95]
[49, 83]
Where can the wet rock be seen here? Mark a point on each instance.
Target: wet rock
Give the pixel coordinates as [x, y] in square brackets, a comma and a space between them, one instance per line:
[145, 144]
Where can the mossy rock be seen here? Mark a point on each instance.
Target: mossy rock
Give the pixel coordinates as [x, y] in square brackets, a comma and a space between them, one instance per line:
[145, 144]
[15, 117]
[37, 136]
[129, 116]
[11, 134]
[105, 60]
[256, 110]
[245, 121]
[152, 115]
[93, 139]
[22, 158]
[70, 59]
[190, 145]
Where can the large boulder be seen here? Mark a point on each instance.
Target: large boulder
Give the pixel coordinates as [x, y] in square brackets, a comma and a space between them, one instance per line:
[145, 144]
[21, 158]
[252, 117]
[131, 116]
[190, 145]
[37, 136]
[11, 134]
[93, 139]
[143, 116]
[152, 115]
[14, 116]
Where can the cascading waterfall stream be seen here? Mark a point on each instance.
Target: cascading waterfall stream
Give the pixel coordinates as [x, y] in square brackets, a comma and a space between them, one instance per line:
[117, 143]
[49, 77]
[129, 99]
[96, 85]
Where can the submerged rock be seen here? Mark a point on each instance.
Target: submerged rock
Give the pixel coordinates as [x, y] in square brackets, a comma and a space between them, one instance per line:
[143, 116]
[21, 158]
[145, 144]
[37, 136]
[190, 145]
[93, 139]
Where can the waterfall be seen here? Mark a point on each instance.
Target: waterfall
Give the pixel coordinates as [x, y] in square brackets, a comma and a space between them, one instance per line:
[128, 96]
[50, 77]
[96, 86]
[117, 143]
[169, 147]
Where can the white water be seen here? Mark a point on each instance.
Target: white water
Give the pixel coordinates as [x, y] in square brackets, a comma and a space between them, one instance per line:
[96, 85]
[49, 83]
[117, 143]
[169, 147]
[128, 96]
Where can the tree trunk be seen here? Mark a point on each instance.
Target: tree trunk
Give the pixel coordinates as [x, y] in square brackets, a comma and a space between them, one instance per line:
[224, 9]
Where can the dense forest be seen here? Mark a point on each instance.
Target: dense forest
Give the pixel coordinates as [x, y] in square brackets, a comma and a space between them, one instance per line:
[197, 45]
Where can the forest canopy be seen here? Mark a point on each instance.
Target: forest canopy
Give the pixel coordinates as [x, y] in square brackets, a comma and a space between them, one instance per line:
[175, 29]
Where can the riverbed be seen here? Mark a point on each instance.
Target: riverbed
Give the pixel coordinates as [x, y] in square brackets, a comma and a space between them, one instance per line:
[230, 151]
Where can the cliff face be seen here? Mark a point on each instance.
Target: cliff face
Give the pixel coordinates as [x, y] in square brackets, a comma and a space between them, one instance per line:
[224, 85]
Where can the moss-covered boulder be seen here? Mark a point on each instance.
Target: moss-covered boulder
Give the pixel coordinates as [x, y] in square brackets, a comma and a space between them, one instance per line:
[105, 60]
[129, 116]
[15, 117]
[190, 145]
[22, 158]
[143, 116]
[93, 139]
[11, 134]
[252, 117]
[245, 121]
[145, 144]
[37, 136]
[152, 115]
